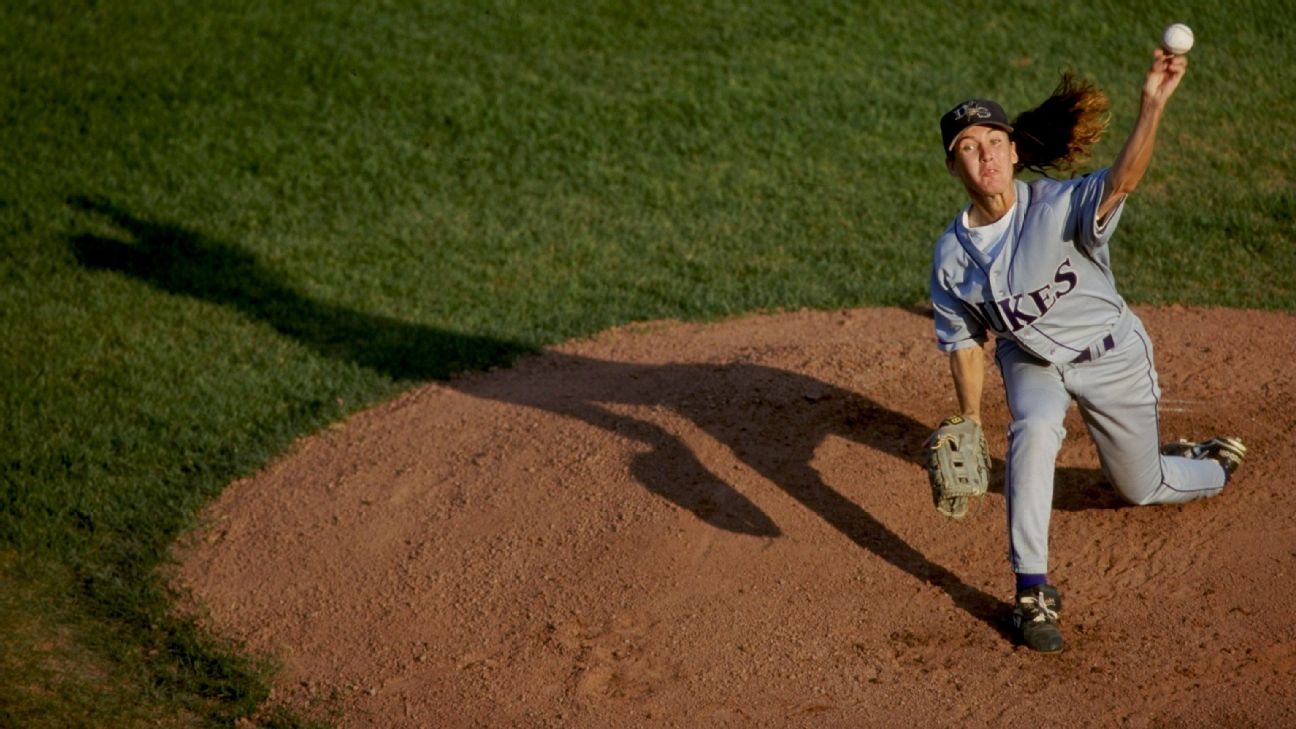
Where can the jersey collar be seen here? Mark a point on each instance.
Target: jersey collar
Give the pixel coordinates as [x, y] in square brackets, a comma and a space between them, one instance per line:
[983, 261]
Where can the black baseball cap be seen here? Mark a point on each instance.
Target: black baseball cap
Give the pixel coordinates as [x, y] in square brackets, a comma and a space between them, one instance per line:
[971, 113]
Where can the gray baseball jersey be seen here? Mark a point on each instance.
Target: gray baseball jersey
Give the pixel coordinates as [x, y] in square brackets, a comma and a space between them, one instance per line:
[1049, 288]
[1048, 294]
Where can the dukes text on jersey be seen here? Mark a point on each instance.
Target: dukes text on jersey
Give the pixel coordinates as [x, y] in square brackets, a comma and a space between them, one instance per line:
[1019, 310]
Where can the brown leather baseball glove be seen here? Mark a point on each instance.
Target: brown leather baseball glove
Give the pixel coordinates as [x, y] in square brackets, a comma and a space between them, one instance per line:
[958, 465]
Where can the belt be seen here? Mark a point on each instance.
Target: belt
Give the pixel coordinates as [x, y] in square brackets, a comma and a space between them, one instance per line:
[1106, 345]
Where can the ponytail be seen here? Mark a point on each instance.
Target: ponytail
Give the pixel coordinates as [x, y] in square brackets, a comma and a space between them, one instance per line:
[1060, 132]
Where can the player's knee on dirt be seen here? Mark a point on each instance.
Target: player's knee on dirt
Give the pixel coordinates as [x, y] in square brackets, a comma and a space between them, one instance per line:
[1156, 482]
[1140, 496]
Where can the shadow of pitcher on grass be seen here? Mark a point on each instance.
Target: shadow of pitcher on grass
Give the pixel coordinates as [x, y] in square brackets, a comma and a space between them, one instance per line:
[180, 261]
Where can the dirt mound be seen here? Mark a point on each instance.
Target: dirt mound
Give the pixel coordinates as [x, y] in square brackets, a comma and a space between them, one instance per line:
[726, 525]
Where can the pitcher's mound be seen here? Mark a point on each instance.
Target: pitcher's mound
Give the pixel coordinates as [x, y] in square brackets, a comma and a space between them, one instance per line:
[727, 525]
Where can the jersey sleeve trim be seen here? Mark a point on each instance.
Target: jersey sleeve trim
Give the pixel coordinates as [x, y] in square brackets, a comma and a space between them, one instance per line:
[1095, 233]
[951, 347]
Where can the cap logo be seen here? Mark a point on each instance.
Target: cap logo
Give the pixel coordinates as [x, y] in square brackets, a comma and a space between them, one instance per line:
[971, 111]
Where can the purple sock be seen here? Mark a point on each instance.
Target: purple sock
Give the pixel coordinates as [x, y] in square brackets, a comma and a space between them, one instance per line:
[1025, 580]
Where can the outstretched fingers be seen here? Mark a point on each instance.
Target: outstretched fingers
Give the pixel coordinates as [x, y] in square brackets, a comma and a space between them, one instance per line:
[1163, 77]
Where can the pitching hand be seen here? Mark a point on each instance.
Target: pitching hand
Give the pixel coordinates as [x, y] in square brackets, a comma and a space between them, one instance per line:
[1164, 76]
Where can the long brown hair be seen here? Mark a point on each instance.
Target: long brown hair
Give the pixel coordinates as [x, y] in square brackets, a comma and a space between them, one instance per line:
[1059, 133]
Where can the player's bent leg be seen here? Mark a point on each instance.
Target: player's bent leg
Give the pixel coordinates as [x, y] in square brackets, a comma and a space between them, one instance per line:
[1118, 398]
[1136, 468]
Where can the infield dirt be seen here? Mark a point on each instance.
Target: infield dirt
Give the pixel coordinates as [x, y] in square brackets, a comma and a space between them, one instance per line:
[727, 524]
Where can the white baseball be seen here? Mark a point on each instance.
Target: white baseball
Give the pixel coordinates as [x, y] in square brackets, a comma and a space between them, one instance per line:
[1177, 39]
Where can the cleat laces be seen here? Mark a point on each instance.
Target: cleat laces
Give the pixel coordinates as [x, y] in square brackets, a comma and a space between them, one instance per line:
[1040, 607]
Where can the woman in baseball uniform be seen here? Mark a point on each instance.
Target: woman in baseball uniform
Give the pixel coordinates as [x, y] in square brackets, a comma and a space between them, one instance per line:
[1029, 261]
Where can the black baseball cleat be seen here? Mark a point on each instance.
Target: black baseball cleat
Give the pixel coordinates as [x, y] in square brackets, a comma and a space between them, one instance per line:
[1228, 452]
[1182, 448]
[1035, 618]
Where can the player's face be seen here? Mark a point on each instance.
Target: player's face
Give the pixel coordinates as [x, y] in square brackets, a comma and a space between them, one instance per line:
[983, 159]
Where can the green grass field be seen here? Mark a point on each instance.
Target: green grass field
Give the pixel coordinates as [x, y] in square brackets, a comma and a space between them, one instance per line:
[228, 224]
